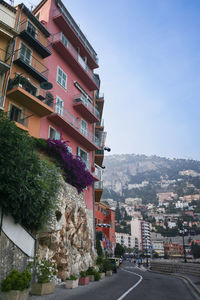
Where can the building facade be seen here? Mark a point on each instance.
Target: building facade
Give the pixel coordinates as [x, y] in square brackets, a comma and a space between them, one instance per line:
[78, 108]
[126, 240]
[8, 31]
[26, 101]
[105, 226]
[140, 229]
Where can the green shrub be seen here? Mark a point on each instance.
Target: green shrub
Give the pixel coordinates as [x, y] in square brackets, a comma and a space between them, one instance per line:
[28, 185]
[83, 274]
[44, 269]
[99, 260]
[71, 277]
[90, 271]
[16, 281]
[107, 265]
[96, 276]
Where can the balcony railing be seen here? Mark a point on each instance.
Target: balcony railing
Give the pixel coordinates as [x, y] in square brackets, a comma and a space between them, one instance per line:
[81, 98]
[74, 122]
[31, 64]
[5, 56]
[8, 19]
[98, 185]
[100, 124]
[35, 38]
[99, 152]
[36, 34]
[58, 37]
[77, 30]
[44, 96]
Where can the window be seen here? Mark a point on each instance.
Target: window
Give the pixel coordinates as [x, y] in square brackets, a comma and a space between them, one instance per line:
[59, 106]
[84, 156]
[25, 54]
[84, 127]
[61, 78]
[15, 113]
[69, 149]
[31, 29]
[54, 134]
[64, 40]
[82, 62]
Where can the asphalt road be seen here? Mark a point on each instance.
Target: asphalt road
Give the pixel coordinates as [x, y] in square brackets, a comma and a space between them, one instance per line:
[130, 283]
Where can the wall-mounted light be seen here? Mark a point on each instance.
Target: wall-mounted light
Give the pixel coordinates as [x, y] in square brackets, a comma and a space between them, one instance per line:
[107, 149]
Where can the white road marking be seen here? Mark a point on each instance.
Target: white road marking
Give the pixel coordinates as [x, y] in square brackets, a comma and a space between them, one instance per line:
[134, 286]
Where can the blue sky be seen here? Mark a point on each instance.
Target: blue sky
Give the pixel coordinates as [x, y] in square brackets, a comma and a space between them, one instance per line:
[149, 58]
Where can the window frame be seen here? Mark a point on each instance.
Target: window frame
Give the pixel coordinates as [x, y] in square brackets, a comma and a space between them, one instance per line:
[84, 131]
[56, 132]
[27, 48]
[57, 78]
[59, 109]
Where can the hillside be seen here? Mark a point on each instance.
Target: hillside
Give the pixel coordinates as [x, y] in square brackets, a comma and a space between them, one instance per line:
[130, 176]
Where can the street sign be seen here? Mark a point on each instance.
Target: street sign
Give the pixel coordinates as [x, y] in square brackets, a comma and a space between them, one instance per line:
[150, 247]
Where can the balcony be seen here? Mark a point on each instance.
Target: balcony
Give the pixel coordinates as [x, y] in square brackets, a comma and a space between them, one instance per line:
[99, 156]
[5, 60]
[100, 125]
[8, 21]
[34, 38]
[35, 99]
[31, 65]
[66, 23]
[71, 55]
[72, 126]
[98, 187]
[86, 108]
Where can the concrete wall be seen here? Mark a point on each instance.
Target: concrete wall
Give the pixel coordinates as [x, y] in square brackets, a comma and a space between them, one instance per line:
[176, 267]
[10, 257]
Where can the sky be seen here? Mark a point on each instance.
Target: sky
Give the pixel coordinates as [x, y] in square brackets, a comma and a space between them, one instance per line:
[149, 65]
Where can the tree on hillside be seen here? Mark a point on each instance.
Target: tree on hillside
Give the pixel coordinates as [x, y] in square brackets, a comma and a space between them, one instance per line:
[119, 250]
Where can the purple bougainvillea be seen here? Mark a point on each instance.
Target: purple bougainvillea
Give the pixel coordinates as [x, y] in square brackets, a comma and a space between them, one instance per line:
[74, 168]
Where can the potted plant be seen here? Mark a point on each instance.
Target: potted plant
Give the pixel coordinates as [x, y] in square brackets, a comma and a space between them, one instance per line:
[16, 285]
[45, 272]
[107, 267]
[99, 262]
[91, 272]
[84, 278]
[71, 282]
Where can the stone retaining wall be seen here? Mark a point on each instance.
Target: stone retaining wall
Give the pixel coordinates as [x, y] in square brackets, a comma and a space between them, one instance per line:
[175, 267]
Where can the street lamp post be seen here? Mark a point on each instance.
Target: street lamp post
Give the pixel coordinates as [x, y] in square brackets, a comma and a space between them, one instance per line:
[147, 263]
[183, 231]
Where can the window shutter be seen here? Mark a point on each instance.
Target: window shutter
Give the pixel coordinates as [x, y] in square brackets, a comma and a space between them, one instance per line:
[78, 151]
[87, 162]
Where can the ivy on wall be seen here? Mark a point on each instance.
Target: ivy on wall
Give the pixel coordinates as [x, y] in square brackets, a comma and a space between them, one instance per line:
[28, 185]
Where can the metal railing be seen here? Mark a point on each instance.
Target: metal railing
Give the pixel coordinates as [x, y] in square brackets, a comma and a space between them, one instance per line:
[100, 152]
[31, 61]
[8, 19]
[35, 33]
[5, 56]
[98, 185]
[101, 123]
[25, 84]
[77, 30]
[58, 37]
[74, 122]
[81, 98]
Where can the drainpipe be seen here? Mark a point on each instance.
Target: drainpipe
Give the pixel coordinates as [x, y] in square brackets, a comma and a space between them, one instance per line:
[14, 44]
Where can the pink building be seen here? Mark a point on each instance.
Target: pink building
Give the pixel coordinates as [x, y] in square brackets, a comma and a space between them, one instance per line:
[71, 67]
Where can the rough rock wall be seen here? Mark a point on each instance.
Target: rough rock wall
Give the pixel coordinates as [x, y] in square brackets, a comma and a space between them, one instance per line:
[68, 238]
[11, 257]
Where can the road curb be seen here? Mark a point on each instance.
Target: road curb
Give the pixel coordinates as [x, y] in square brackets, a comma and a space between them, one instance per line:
[178, 275]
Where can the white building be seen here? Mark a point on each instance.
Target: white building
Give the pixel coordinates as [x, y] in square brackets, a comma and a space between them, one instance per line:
[140, 229]
[158, 244]
[126, 240]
